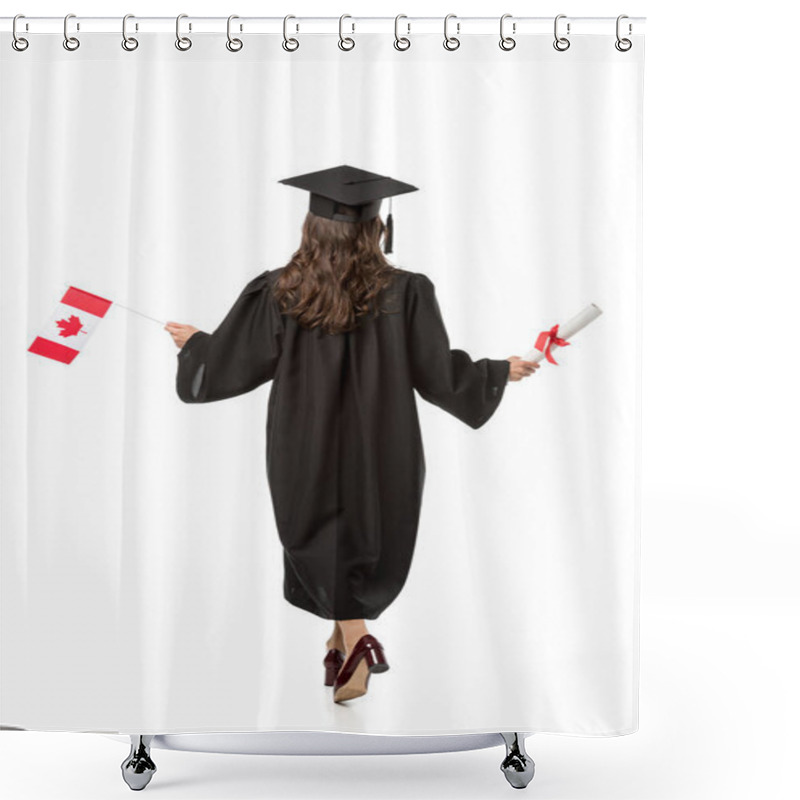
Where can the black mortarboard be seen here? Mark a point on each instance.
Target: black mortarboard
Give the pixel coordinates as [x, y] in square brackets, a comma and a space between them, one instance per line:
[349, 194]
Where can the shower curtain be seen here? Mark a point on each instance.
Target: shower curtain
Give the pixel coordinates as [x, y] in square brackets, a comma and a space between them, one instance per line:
[142, 572]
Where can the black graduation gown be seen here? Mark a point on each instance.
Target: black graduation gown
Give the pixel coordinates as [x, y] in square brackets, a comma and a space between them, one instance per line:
[345, 461]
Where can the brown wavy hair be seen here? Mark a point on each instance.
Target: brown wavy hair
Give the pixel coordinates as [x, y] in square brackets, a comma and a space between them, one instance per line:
[335, 275]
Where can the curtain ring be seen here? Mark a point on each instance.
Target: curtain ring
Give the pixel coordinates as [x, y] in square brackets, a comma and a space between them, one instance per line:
[286, 41]
[560, 40]
[129, 43]
[348, 39]
[623, 45]
[70, 42]
[506, 42]
[17, 41]
[397, 38]
[181, 42]
[234, 45]
[451, 42]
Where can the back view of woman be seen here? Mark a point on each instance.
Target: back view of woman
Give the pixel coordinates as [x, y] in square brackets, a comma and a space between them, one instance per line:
[346, 338]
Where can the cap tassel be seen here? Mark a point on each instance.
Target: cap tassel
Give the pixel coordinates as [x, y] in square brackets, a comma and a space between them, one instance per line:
[389, 237]
[389, 234]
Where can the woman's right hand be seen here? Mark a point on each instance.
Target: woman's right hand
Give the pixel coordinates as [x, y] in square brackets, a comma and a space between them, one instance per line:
[180, 333]
[520, 369]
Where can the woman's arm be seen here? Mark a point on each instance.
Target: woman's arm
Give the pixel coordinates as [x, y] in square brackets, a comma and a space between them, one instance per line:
[241, 354]
[469, 390]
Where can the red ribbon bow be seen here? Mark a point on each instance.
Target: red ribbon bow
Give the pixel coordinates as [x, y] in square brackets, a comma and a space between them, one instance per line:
[547, 339]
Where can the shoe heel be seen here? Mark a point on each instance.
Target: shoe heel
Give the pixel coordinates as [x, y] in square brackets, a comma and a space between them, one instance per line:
[376, 661]
[332, 663]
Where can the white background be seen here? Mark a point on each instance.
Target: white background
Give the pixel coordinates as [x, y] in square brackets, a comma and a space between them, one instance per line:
[719, 619]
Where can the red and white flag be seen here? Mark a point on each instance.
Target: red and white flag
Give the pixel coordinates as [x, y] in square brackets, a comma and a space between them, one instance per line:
[70, 325]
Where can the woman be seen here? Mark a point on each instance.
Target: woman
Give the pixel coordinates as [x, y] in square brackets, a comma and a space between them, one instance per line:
[345, 337]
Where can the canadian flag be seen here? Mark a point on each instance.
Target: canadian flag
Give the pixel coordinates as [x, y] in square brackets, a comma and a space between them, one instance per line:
[70, 325]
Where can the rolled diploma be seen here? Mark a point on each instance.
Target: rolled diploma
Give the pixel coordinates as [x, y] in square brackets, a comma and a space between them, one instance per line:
[568, 330]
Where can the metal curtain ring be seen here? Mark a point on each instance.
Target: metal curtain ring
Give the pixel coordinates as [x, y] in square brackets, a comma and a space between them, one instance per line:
[234, 45]
[181, 42]
[347, 39]
[451, 42]
[17, 41]
[397, 38]
[623, 45]
[560, 40]
[70, 42]
[506, 42]
[290, 45]
[128, 42]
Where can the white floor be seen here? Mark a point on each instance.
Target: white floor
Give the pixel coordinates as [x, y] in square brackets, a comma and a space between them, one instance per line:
[719, 702]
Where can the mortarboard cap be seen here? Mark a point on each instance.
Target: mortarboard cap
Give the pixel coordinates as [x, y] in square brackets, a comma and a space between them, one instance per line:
[349, 194]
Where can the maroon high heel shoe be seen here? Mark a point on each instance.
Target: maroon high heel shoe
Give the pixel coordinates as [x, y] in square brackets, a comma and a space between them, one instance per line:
[352, 680]
[333, 663]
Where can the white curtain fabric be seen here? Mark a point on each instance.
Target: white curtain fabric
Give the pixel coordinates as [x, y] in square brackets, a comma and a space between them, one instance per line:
[141, 567]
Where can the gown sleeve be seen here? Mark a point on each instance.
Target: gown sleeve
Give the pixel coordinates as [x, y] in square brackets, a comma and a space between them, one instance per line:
[241, 354]
[469, 390]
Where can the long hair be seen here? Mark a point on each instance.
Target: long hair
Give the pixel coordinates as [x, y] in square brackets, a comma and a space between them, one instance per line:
[335, 274]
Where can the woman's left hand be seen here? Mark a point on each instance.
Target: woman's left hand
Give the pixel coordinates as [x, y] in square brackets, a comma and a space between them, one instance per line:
[520, 369]
[180, 333]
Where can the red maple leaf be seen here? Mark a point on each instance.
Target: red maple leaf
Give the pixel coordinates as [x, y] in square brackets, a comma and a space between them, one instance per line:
[71, 327]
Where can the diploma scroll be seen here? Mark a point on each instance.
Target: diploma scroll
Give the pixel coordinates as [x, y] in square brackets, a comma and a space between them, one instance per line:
[553, 338]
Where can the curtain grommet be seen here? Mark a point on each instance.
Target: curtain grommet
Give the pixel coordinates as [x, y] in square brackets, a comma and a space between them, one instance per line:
[451, 42]
[129, 43]
[561, 43]
[70, 43]
[16, 40]
[622, 44]
[234, 45]
[507, 42]
[404, 39]
[183, 43]
[343, 39]
[289, 44]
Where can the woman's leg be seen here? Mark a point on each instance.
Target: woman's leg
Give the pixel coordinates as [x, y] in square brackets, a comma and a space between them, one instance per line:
[351, 630]
[336, 640]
